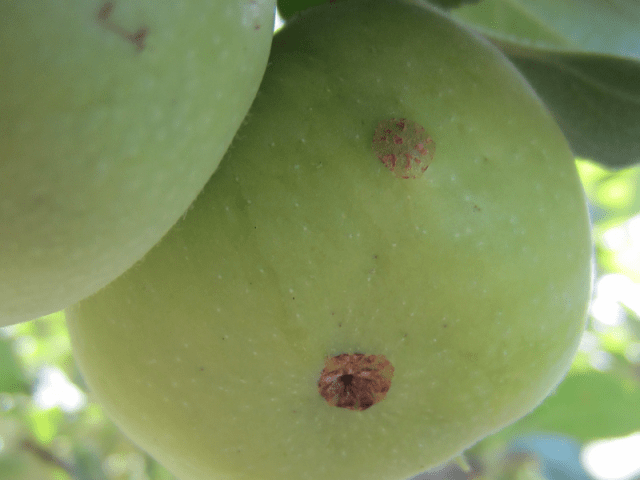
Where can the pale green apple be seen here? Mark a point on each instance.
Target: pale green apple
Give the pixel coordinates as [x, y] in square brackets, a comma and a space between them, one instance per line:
[113, 115]
[468, 284]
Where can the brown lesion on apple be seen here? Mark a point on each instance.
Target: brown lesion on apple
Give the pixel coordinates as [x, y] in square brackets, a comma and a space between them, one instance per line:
[137, 38]
[404, 147]
[355, 381]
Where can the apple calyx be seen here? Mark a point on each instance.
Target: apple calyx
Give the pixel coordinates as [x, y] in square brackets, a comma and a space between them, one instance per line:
[403, 146]
[355, 381]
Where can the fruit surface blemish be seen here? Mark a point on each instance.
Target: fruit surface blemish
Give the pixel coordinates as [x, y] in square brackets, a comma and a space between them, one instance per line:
[403, 146]
[355, 381]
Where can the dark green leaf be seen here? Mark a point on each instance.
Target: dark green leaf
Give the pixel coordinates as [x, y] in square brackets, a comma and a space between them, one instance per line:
[583, 59]
[288, 8]
[595, 99]
[447, 4]
[597, 26]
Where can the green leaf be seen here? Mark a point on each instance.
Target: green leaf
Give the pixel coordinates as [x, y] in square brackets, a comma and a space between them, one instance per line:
[12, 378]
[587, 72]
[288, 8]
[614, 196]
[595, 99]
[446, 4]
[587, 406]
[88, 463]
[598, 26]
[44, 424]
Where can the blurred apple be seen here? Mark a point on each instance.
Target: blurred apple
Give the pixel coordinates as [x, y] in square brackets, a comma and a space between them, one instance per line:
[329, 308]
[113, 115]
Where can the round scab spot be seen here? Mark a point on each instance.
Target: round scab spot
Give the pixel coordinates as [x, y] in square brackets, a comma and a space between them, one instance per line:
[355, 381]
[403, 146]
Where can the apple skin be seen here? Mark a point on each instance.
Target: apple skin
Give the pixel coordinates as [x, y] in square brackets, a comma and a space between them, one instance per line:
[104, 142]
[472, 280]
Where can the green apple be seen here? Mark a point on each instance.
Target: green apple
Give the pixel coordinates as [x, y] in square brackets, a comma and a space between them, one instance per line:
[323, 311]
[113, 115]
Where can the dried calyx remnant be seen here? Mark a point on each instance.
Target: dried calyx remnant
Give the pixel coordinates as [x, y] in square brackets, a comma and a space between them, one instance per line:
[403, 146]
[355, 381]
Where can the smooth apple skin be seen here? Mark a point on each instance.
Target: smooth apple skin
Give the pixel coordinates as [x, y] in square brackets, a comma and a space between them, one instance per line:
[473, 280]
[104, 143]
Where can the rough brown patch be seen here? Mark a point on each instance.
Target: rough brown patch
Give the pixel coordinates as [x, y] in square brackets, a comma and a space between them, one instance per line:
[403, 146]
[355, 381]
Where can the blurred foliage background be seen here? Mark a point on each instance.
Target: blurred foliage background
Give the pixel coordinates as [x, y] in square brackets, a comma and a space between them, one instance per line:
[51, 429]
[589, 428]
